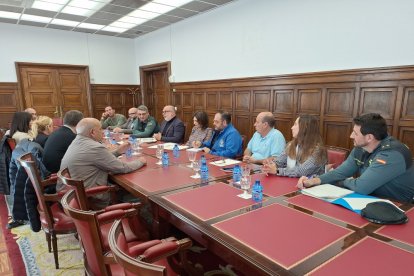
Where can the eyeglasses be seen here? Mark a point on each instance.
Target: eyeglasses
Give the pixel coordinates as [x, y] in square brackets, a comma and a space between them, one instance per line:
[165, 111]
[132, 113]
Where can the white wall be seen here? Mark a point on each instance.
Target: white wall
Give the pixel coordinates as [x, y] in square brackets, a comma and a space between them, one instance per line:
[271, 37]
[111, 60]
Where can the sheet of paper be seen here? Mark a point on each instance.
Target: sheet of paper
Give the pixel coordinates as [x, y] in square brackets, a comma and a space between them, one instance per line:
[326, 191]
[148, 140]
[225, 162]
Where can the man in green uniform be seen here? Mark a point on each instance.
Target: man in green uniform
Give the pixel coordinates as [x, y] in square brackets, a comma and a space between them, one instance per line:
[383, 165]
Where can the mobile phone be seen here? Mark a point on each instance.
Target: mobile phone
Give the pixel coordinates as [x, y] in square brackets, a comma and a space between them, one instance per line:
[228, 169]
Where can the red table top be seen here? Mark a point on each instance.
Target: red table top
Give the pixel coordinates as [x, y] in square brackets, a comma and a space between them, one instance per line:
[328, 209]
[284, 235]
[368, 257]
[220, 199]
[401, 232]
[160, 179]
[274, 185]
[151, 161]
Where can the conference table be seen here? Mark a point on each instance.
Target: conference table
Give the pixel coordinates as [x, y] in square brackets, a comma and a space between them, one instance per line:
[286, 234]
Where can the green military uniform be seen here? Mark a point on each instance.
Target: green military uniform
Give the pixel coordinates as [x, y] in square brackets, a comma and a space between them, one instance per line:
[145, 129]
[387, 172]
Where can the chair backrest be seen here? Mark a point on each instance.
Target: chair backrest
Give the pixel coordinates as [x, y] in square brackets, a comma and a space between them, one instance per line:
[80, 193]
[131, 266]
[90, 236]
[12, 143]
[29, 164]
[336, 156]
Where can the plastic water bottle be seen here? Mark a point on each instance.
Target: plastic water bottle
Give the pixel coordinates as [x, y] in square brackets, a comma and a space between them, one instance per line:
[204, 172]
[257, 191]
[203, 160]
[176, 151]
[128, 152]
[165, 159]
[236, 174]
[107, 133]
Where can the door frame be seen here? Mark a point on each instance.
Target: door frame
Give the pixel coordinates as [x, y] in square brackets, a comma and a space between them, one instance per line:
[150, 68]
[84, 68]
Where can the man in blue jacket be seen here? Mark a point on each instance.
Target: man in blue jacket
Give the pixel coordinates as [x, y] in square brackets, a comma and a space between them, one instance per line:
[226, 140]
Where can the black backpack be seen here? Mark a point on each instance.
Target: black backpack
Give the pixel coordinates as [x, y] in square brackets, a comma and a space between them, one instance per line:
[381, 212]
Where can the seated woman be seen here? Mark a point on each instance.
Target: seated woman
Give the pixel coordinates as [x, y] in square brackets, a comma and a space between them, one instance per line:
[20, 126]
[200, 132]
[41, 129]
[304, 155]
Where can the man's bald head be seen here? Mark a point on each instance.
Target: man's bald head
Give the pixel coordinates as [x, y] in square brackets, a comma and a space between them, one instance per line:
[32, 111]
[85, 126]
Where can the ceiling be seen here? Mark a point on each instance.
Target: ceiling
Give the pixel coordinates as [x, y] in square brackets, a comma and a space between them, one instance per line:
[110, 12]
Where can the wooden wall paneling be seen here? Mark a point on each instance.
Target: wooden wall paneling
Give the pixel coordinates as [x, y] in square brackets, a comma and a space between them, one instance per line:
[120, 97]
[177, 100]
[9, 103]
[336, 133]
[187, 118]
[378, 100]
[199, 101]
[242, 100]
[261, 100]
[406, 135]
[187, 101]
[283, 101]
[339, 102]
[212, 102]
[407, 112]
[225, 101]
[243, 123]
[309, 101]
[284, 125]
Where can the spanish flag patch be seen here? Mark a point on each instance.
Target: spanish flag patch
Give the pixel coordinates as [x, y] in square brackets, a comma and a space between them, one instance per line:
[381, 161]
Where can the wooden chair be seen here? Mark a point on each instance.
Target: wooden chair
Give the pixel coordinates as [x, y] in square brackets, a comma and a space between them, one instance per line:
[154, 258]
[336, 156]
[136, 232]
[54, 221]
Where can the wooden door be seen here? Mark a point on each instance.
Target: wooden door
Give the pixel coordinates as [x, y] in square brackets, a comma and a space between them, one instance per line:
[156, 87]
[54, 89]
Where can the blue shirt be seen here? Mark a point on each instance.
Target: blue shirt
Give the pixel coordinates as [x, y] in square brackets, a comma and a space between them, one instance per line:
[227, 144]
[273, 144]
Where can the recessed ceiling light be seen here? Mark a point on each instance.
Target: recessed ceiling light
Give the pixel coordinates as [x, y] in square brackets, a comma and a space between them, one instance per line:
[10, 15]
[157, 8]
[35, 18]
[64, 22]
[143, 14]
[174, 3]
[41, 5]
[90, 26]
[87, 4]
[113, 29]
[133, 20]
[77, 11]
[120, 24]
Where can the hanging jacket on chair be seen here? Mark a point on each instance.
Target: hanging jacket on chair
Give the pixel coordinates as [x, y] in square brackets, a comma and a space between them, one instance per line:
[22, 190]
[5, 157]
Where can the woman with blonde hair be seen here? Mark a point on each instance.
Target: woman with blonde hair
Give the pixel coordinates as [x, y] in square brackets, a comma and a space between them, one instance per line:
[305, 155]
[41, 129]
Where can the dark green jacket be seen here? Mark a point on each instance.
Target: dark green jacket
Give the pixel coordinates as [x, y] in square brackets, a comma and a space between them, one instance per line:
[145, 129]
[387, 172]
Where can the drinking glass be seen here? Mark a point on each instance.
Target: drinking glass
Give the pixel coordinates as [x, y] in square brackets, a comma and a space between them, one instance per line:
[159, 153]
[191, 157]
[245, 185]
[245, 170]
[196, 168]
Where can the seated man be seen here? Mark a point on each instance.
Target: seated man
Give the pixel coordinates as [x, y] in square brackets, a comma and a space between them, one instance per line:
[172, 129]
[382, 163]
[142, 126]
[32, 112]
[226, 140]
[266, 141]
[110, 119]
[88, 159]
[130, 123]
[59, 141]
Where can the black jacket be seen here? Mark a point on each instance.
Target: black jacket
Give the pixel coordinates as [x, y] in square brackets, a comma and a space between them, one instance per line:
[24, 196]
[5, 157]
